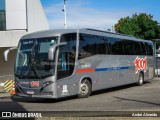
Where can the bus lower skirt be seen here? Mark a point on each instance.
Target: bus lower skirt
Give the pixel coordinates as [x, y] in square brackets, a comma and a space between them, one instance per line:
[35, 96]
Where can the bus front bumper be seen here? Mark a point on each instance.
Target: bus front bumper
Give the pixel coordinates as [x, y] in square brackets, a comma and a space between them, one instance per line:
[35, 96]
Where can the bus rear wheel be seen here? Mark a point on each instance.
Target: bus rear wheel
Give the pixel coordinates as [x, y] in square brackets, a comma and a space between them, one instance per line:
[85, 89]
[140, 79]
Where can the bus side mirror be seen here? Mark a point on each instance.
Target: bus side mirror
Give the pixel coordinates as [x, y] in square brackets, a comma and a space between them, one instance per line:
[53, 48]
[5, 53]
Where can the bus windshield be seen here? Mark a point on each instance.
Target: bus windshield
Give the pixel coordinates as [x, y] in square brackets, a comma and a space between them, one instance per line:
[32, 58]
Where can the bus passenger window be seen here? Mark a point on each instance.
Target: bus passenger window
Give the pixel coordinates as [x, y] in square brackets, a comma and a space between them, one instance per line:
[129, 47]
[143, 48]
[149, 49]
[116, 45]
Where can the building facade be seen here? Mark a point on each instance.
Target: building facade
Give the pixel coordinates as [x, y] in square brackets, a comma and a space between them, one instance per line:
[17, 18]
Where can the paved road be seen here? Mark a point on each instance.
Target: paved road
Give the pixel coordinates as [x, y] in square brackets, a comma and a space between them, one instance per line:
[127, 98]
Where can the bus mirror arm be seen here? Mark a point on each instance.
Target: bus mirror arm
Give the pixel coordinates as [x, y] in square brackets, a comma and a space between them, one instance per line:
[5, 53]
[53, 48]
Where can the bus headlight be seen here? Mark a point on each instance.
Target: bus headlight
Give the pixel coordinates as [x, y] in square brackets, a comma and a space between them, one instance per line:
[46, 84]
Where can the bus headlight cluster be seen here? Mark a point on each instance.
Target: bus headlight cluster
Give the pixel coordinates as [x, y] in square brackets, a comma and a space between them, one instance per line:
[46, 84]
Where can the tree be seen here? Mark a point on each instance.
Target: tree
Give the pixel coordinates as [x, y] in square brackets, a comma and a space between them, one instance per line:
[141, 26]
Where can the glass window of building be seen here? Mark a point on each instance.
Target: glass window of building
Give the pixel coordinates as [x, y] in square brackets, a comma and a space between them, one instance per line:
[2, 15]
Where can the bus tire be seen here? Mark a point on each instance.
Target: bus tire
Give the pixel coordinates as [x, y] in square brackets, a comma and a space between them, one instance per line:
[85, 88]
[140, 79]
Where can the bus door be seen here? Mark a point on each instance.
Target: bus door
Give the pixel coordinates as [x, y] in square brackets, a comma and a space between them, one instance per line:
[66, 65]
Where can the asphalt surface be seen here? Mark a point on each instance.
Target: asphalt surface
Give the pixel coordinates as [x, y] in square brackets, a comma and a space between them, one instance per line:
[124, 98]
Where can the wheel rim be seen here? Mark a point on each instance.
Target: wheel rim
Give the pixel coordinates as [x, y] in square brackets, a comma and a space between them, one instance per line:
[84, 88]
[141, 80]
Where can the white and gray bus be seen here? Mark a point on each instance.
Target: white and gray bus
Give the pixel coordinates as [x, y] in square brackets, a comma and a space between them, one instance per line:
[60, 63]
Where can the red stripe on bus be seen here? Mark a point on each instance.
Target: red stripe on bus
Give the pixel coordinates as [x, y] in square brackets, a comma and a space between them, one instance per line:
[85, 70]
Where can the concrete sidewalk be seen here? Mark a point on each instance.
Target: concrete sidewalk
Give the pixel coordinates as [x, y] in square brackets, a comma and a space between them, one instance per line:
[156, 78]
[4, 95]
[1, 89]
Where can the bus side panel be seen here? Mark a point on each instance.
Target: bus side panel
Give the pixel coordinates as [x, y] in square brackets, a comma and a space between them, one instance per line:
[70, 86]
[105, 71]
[120, 71]
[67, 86]
[114, 70]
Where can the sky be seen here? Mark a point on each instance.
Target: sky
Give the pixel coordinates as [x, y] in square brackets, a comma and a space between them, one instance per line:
[97, 14]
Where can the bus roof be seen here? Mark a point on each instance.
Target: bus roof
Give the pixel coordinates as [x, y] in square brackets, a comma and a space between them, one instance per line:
[48, 33]
[58, 32]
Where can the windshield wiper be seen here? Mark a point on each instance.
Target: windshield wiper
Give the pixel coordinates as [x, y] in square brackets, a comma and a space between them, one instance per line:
[32, 59]
[21, 76]
[35, 69]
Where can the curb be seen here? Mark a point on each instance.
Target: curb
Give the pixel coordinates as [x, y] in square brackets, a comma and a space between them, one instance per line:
[5, 95]
[2, 90]
[1, 87]
[156, 78]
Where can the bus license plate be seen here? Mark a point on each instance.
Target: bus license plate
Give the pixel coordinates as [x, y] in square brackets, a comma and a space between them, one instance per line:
[30, 92]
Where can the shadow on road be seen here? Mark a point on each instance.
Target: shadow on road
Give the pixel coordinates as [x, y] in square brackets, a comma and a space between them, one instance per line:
[41, 100]
[137, 101]
[46, 100]
[118, 88]
[13, 108]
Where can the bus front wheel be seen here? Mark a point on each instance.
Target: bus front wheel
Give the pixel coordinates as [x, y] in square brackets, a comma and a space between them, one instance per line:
[140, 79]
[85, 89]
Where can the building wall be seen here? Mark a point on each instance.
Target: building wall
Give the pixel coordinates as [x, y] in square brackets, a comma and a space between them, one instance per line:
[22, 17]
[10, 38]
[36, 16]
[16, 14]
[7, 68]
[25, 15]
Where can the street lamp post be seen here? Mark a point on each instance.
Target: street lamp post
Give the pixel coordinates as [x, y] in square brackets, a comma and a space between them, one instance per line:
[65, 17]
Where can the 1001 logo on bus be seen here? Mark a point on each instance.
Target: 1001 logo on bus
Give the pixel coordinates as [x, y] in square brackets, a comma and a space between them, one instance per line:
[140, 64]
